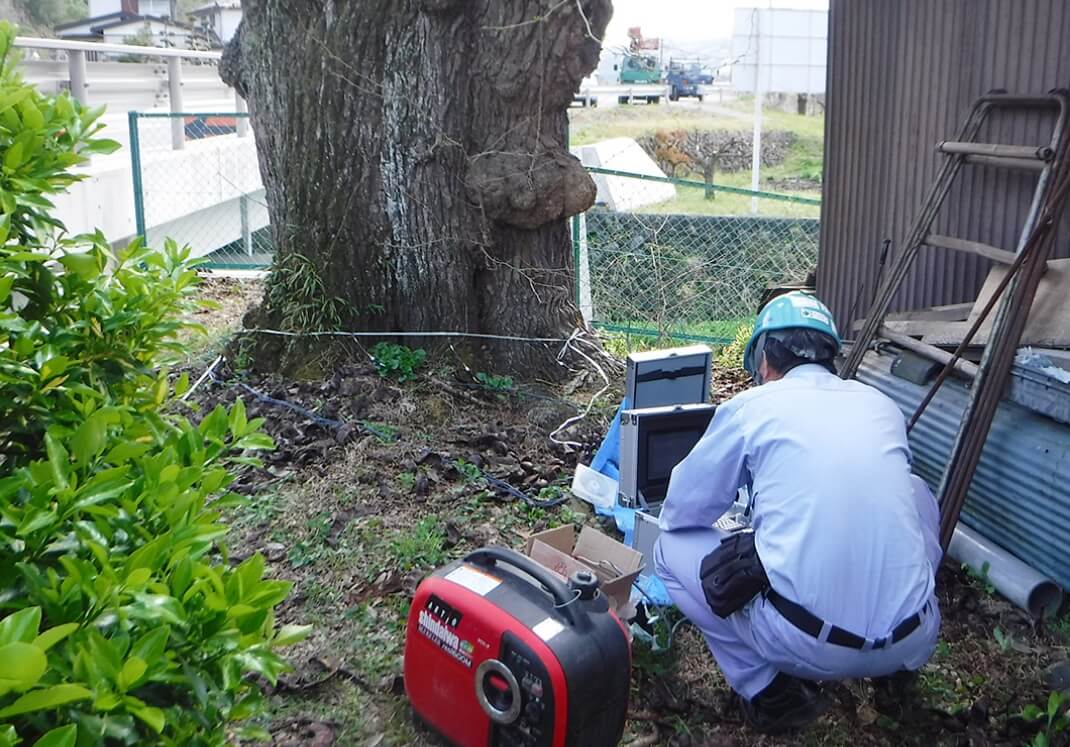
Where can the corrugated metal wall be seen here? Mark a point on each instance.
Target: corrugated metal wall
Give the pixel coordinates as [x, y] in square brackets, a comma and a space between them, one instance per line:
[1020, 494]
[901, 77]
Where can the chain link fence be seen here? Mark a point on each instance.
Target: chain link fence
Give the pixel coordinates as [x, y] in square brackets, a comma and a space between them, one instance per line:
[197, 181]
[686, 260]
[656, 257]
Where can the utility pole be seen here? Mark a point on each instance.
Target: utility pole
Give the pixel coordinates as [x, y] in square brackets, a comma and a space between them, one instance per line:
[756, 144]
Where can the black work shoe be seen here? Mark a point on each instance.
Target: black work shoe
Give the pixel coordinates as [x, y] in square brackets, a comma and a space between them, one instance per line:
[892, 694]
[787, 704]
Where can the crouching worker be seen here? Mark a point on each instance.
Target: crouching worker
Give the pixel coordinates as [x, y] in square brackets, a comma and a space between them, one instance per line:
[836, 580]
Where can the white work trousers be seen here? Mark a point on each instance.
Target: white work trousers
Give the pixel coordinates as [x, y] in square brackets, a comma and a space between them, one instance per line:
[752, 645]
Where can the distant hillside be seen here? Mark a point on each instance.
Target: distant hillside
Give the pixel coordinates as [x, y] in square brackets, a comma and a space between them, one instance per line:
[36, 17]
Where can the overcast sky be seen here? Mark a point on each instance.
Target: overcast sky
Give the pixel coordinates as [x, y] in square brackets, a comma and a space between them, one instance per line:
[682, 21]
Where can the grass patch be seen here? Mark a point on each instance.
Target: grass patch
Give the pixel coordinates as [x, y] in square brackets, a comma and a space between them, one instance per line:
[693, 201]
[424, 546]
[588, 126]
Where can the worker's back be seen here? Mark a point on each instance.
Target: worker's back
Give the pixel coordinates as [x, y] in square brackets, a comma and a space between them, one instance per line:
[838, 529]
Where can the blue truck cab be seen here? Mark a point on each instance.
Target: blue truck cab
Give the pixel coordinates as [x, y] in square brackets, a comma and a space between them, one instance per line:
[685, 77]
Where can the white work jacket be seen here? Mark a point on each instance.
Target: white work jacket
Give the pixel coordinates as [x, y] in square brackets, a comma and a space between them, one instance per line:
[827, 464]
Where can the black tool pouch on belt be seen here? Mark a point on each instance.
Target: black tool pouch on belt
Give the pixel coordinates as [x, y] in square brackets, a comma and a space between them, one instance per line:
[732, 575]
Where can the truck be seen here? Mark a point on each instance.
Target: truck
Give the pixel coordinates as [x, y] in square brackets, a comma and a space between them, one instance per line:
[684, 78]
[640, 70]
[641, 66]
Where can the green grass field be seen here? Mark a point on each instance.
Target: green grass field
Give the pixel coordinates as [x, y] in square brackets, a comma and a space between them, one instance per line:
[804, 159]
[693, 201]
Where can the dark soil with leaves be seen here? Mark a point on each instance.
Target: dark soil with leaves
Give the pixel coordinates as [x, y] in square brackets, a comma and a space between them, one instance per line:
[374, 483]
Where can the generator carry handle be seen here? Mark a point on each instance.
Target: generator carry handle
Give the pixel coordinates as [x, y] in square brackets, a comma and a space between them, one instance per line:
[564, 597]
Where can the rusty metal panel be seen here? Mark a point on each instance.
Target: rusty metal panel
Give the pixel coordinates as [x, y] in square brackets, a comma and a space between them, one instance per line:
[901, 78]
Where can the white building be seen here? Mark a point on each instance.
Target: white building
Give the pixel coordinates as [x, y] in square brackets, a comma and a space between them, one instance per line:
[124, 21]
[779, 50]
[221, 18]
[154, 8]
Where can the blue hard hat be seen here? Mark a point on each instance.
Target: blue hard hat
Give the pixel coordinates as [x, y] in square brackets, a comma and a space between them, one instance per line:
[795, 310]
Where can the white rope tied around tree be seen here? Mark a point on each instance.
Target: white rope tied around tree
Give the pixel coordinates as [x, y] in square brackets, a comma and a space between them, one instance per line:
[571, 346]
[478, 335]
[572, 343]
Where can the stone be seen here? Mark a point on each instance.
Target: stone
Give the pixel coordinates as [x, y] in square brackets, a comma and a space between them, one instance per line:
[1057, 676]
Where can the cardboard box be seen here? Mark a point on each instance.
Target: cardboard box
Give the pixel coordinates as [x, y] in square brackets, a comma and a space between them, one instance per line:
[616, 565]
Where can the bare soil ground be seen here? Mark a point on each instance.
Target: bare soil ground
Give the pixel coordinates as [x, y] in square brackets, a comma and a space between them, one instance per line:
[374, 485]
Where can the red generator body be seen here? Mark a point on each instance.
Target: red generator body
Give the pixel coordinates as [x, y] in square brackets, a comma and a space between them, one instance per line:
[500, 651]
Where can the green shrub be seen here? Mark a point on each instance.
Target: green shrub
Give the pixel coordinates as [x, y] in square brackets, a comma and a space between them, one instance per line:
[397, 361]
[731, 355]
[123, 622]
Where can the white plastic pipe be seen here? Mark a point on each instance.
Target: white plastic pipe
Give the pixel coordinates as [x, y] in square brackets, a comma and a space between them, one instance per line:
[1019, 583]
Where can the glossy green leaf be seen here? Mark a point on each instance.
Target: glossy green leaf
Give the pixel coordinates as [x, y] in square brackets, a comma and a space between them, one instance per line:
[13, 158]
[150, 647]
[58, 459]
[90, 438]
[291, 634]
[102, 146]
[154, 717]
[21, 626]
[21, 665]
[83, 265]
[132, 672]
[64, 736]
[52, 636]
[40, 700]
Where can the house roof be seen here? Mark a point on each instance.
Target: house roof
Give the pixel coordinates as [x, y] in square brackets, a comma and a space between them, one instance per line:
[90, 21]
[210, 8]
[98, 25]
[131, 19]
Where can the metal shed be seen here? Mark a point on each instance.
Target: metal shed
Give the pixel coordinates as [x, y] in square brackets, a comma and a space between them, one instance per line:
[901, 78]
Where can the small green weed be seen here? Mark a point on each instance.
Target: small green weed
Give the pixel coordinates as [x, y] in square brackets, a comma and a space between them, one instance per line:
[1005, 640]
[468, 471]
[1053, 719]
[383, 432]
[500, 384]
[296, 286]
[981, 577]
[407, 480]
[312, 549]
[424, 546]
[1060, 627]
[397, 361]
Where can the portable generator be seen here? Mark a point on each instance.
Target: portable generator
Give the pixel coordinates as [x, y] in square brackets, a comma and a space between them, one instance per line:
[499, 650]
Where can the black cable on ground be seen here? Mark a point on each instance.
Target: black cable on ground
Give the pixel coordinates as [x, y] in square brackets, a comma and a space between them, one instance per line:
[505, 487]
[492, 481]
[318, 420]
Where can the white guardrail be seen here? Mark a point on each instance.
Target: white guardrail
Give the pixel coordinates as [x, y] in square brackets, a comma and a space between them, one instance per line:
[131, 82]
[591, 93]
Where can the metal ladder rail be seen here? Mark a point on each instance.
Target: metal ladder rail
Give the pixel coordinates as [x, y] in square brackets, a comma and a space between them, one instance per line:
[961, 151]
[972, 420]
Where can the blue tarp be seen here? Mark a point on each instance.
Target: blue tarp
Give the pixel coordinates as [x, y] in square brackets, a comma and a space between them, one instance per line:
[606, 460]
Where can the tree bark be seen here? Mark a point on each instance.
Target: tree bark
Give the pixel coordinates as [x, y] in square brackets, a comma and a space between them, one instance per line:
[413, 153]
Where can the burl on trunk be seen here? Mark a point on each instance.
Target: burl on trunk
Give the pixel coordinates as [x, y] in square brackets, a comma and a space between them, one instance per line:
[416, 167]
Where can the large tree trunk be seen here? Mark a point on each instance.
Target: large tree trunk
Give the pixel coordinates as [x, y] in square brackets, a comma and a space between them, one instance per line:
[414, 157]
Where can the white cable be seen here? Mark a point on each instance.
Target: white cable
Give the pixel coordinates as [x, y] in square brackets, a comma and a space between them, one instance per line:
[590, 405]
[205, 375]
[512, 338]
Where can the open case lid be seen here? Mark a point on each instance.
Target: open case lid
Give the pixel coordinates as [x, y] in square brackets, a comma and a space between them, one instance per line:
[664, 436]
[668, 377]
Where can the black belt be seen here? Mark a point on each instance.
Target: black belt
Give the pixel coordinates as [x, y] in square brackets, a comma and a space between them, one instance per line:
[802, 619]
